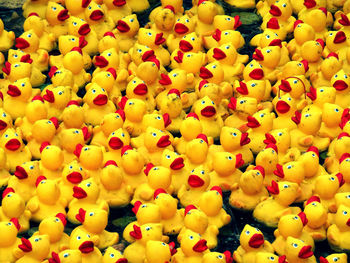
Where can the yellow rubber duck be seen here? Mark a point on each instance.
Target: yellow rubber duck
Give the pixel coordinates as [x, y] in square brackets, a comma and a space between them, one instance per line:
[90, 158]
[113, 255]
[284, 194]
[108, 80]
[69, 138]
[269, 58]
[107, 59]
[137, 89]
[302, 32]
[126, 30]
[285, 107]
[32, 250]
[116, 141]
[197, 152]
[134, 110]
[176, 7]
[337, 149]
[340, 257]
[117, 9]
[310, 160]
[68, 255]
[164, 251]
[250, 190]
[73, 117]
[251, 242]
[164, 20]
[340, 82]
[108, 41]
[298, 251]
[320, 96]
[316, 214]
[6, 38]
[62, 77]
[268, 159]
[56, 16]
[38, 7]
[51, 161]
[76, 7]
[329, 66]
[337, 233]
[10, 230]
[257, 89]
[206, 11]
[56, 100]
[331, 119]
[13, 206]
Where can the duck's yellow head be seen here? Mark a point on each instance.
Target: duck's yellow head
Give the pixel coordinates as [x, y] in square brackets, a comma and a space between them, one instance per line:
[195, 219]
[184, 25]
[90, 156]
[70, 138]
[190, 42]
[94, 13]
[253, 70]
[281, 9]
[335, 40]
[37, 246]
[315, 212]
[261, 120]
[28, 41]
[251, 182]
[165, 18]
[205, 108]
[78, 27]
[13, 204]
[284, 193]
[311, 50]
[58, 97]
[150, 231]
[28, 172]
[327, 186]
[17, 55]
[192, 244]
[213, 72]
[47, 190]
[76, 7]
[244, 105]
[35, 110]
[136, 88]
[211, 201]
[172, 160]
[18, 70]
[108, 58]
[340, 81]
[339, 258]
[332, 114]
[155, 120]
[117, 139]
[61, 77]
[108, 41]
[197, 149]
[11, 141]
[268, 158]
[73, 173]
[82, 241]
[113, 255]
[251, 238]
[55, 13]
[148, 71]
[284, 105]
[217, 257]
[21, 89]
[232, 138]
[96, 96]
[156, 140]
[291, 171]
[166, 203]
[225, 163]
[44, 130]
[341, 144]
[330, 65]
[9, 231]
[266, 257]
[111, 176]
[268, 56]
[206, 12]
[112, 122]
[53, 227]
[171, 104]
[150, 38]
[225, 53]
[135, 109]
[342, 218]
[191, 127]
[198, 178]
[128, 25]
[158, 251]
[67, 42]
[251, 88]
[158, 177]
[322, 95]
[87, 190]
[296, 249]
[295, 68]
[176, 79]
[308, 122]
[94, 220]
[191, 62]
[292, 225]
[132, 161]
[51, 156]
[310, 160]
[146, 213]
[303, 32]
[74, 60]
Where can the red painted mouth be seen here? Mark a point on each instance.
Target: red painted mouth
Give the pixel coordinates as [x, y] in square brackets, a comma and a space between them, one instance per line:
[84, 29]
[219, 54]
[275, 11]
[79, 192]
[208, 111]
[340, 85]
[177, 164]
[63, 15]
[115, 143]
[101, 62]
[276, 42]
[3, 125]
[100, 100]
[96, 15]
[13, 91]
[85, 3]
[148, 55]
[282, 107]
[74, 177]
[185, 46]
[257, 74]
[119, 2]
[163, 141]
[86, 247]
[200, 246]
[253, 122]
[159, 39]
[21, 43]
[244, 139]
[285, 86]
[348, 222]
[141, 89]
[205, 73]
[258, 55]
[256, 240]
[181, 28]
[26, 58]
[122, 26]
[165, 80]
[7, 68]
[20, 173]
[26, 246]
[49, 96]
[195, 181]
[305, 252]
[310, 3]
[13, 145]
[340, 37]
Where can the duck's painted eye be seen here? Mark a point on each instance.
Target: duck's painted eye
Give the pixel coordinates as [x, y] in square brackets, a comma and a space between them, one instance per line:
[234, 134]
[131, 20]
[307, 115]
[295, 245]
[89, 7]
[192, 171]
[313, 155]
[229, 158]
[214, 66]
[74, 23]
[54, 8]
[148, 228]
[65, 255]
[167, 156]
[163, 244]
[332, 178]
[336, 110]
[9, 195]
[175, 75]
[226, 33]
[78, 237]
[345, 212]
[289, 167]
[285, 186]
[203, 102]
[202, 172]
[345, 76]
[268, 36]
[149, 33]
[29, 35]
[191, 237]
[154, 134]
[268, 51]
[93, 91]
[284, 5]
[272, 258]
[228, 18]
[60, 92]
[6, 135]
[31, 167]
[131, 103]
[91, 214]
[88, 184]
[321, 90]
[187, 20]
[111, 255]
[57, 220]
[335, 259]
[335, 76]
[36, 240]
[193, 39]
[227, 47]
[247, 232]
[253, 85]
[15, 55]
[220, 257]
[156, 168]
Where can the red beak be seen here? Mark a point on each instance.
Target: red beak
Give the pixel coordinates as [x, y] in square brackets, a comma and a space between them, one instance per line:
[340, 85]
[258, 55]
[49, 96]
[163, 141]
[195, 181]
[20, 173]
[305, 252]
[257, 74]
[148, 55]
[101, 62]
[159, 39]
[219, 54]
[244, 139]
[165, 80]
[276, 42]
[348, 222]
[119, 2]
[26, 246]
[285, 86]
[185, 46]
[200, 246]
[3, 125]
[84, 29]
[256, 240]
[339, 37]
[205, 73]
[79, 192]
[115, 143]
[86, 247]
[309, 3]
[7, 68]
[96, 15]
[21, 43]
[141, 89]
[180, 28]
[208, 111]
[177, 164]
[13, 91]
[13, 145]
[252, 122]
[85, 3]
[74, 177]
[26, 58]
[123, 26]
[100, 100]
[275, 11]
[63, 15]
[282, 107]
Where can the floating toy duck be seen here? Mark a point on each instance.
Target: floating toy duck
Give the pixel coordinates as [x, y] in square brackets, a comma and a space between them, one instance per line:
[6, 38]
[341, 83]
[197, 152]
[285, 106]
[268, 159]
[317, 218]
[56, 16]
[117, 9]
[38, 7]
[331, 119]
[176, 7]
[251, 242]
[249, 191]
[113, 255]
[86, 196]
[255, 89]
[320, 96]
[328, 68]
[336, 151]
[116, 141]
[138, 89]
[134, 110]
[13, 206]
[51, 163]
[164, 251]
[298, 251]
[164, 21]
[318, 13]
[69, 138]
[311, 159]
[34, 249]
[56, 100]
[125, 32]
[10, 229]
[340, 257]
[91, 159]
[77, 7]
[302, 32]
[284, 194]
[62, 77]
[108, 41]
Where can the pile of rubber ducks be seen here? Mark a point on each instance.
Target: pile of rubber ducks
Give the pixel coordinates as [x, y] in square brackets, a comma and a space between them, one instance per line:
[172, 118]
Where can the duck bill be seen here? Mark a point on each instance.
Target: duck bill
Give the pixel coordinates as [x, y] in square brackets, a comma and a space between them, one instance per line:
[181, 28]
[185, 46]
[123, 27]
[256, 241]
[79, 192]
[101, 100]
[195, 181]
[13, 145]
[177, 164]
[115, 143]
[163, 141]
[74, 177]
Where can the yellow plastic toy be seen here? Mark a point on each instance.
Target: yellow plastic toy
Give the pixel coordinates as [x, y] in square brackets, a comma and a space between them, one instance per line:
[13, 206]
[137, 89]
[340, 82]
[164, 251]
[56, 16]
[329, 66]
[6, 38]
[62, 77]
[117, 9]
[197, 153]
[251, 242]
[285, 107]
[298, 251]
[32, 250]
[336, 42]
[73, 117]
[38, 7]
[56, 100]
[337, 150]
[66, 256]
[51, 163]
[116, 141]
[86, 196]
[76, 7]
[321, 96]
[302, 32]
[268, 159]
[113, 255]
[340, 257]
[316, 214]
[164, 20]
[331, 119]
[250, 190]
[134, 110]
[283, 195]
[10, 230]
[69, 138]
[126, 31]
[206, 11]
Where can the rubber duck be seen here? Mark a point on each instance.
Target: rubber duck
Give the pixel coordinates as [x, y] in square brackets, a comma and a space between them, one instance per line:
[316, 214]
[157, 177]
[255, 89]
[69, 138]
[297, 250]
[285, 107]
[62, 77]
[196, 60]
[310, 159]
[155, 142]
[6, 37]
[284, 194]
[164, 20]
[68, 255]
[336, 42]
[13, 206]
[196, 3]
[109, 58]
[293, 68]
[34, 249]
[320, 96]
[56, 100]
[340, 82]
[331, 118]
[338, 231]
[225, 170]
[126, 31]
[206, 11]
[134, 110]
[137, 89]
[343, 165]
[183, 25]
[322, 16]
[86, 196]
[164, 251]
[51, 161]
[176, 6]
[77, 7]
[337, 151]
[90, 158]
[192, 247]
[340, 257]
[268, 159]
[302, 32]
[56, 16]
[86, 244]
[117, 9]
[250, 190]
[73, 118]
[269, 57]
[113, 255]
[197, 183]
[116, 141]
[149, 73]
[251, 242]
[291, 225]
[281, 138]
[29, 43]
[108, 41]
[197, 152]
[16, 152]
[265, 257]
[172, 218]
[10, 229]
